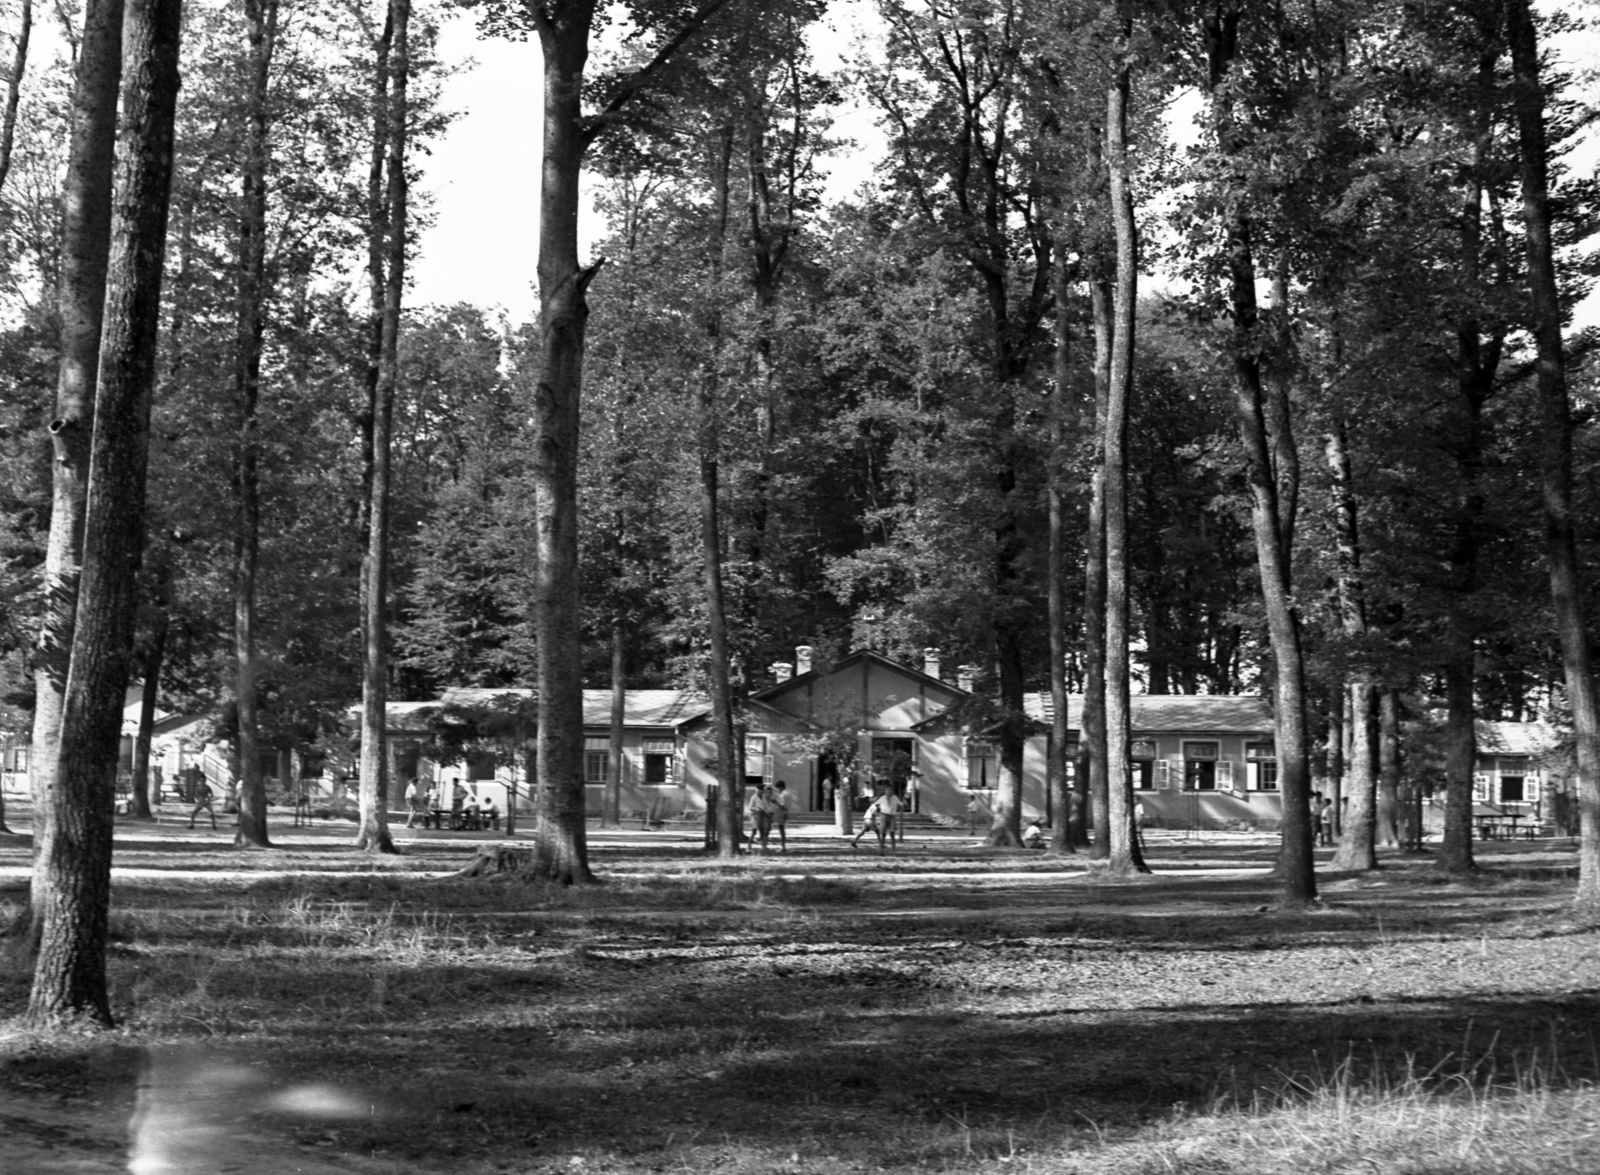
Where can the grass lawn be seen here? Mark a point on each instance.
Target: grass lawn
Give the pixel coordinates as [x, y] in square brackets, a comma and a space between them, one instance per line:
[313, 1009]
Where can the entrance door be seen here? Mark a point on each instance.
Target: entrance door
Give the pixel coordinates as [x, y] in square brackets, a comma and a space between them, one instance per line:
[893, 762]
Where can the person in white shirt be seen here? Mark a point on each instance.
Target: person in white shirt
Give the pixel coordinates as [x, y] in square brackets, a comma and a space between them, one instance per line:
[759, 809]
[881, 817]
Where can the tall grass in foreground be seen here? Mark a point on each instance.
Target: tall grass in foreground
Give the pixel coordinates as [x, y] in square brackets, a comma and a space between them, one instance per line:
[1536, 1123]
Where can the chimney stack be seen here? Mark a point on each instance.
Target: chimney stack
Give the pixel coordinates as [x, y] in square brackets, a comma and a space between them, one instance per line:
[802, 659]
[930, 662]
[968, 678]
[781, 670]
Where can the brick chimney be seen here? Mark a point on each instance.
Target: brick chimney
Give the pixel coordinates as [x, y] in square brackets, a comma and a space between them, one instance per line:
[968, 677]
[930, 661]
[802, 659]
[781, 670]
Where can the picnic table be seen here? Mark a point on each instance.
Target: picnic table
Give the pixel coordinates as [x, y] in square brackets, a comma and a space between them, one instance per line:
[1497, 823]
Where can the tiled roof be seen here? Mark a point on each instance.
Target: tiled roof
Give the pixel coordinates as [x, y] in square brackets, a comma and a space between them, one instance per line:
[643, 707]
[1516, 738]
[1158, 713]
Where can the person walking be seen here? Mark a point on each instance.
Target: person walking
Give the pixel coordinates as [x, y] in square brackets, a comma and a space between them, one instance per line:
[780, 814]
[759, 809]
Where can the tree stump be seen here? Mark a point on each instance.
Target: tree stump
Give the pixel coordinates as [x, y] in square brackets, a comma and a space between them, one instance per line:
[497, 859]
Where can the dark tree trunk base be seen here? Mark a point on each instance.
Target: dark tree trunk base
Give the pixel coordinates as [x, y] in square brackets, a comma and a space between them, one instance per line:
[520, 864]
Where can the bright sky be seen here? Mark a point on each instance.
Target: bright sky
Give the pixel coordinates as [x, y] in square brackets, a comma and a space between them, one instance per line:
[484, 176]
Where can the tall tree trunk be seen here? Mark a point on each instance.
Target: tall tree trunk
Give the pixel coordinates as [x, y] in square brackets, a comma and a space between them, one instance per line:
[1296, 871]
[561, 844]
[1092, 744]
[1388, 830]
[1477, 360]
[85, 245]
[1556, 445]
[69, 980]
[611, 808]
[1356, 845]
[729, 740]
[19, 65]
[373, 834]
[1124, 848]
[1067, 818]
[261, 24]
[154, 656]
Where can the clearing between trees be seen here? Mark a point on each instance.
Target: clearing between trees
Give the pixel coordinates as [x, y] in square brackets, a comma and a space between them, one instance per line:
[317, 1009]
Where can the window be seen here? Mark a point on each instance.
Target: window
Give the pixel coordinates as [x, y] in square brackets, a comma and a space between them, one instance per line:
[597, 760]
[1261, 766]
[658, 754]
[481, 766]
[1200, 766]
[983, 765]
[1141, 763]
[757, 763]
[1511, 789]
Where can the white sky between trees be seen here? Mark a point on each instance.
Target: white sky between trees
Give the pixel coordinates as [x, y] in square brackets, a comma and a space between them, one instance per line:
[484, 174]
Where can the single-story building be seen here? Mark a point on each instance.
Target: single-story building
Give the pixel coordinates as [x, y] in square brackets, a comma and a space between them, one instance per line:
[1198, 760]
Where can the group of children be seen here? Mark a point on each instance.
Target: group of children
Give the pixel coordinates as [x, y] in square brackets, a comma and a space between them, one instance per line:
[768, 808]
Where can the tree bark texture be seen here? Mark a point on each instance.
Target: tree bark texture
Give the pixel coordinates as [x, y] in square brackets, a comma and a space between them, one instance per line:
[1092, 747]
[561, 845]
[1555, 413]
[724, 721]
[261, 24]
[1296, 871]
[1124, 848]
[611, 807]
[1388, 815]
[69, 980]
[80, 302]
[1357, 850]
[155, 654]
[373, 834]
[1066, 823]
[19, 65]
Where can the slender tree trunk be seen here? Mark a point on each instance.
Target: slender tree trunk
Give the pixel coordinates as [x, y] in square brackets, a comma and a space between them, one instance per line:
[373, 834]
[261, 22]
[85, 244]
[729, 740]
[69, 980]
[1356, 845]
[611, 810]
[154, 656]
[561, 844]
[1124, 848]
[1388, 830]
[1555, 412]
[1067, 818]
[19, 65]
[1092, 745]
[1477, 360]
[1296, 872]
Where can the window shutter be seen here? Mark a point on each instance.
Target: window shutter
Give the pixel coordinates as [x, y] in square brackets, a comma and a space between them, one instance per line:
[1480, 787]
[1224, 775]
[766, 768]
[1530, 787]
[1252, 776]
[1163, 774]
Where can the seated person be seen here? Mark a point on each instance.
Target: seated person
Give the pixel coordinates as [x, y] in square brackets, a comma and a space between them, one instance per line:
[1033, 836]
[474, 814]
[491, 815]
